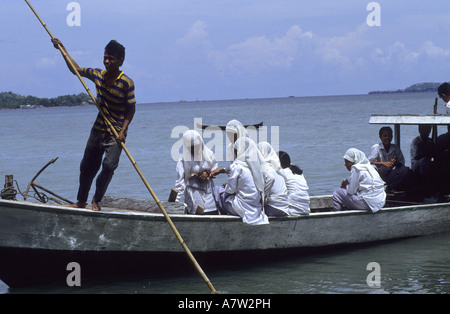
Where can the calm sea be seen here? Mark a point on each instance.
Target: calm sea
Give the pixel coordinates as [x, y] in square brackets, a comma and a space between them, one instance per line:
[315, 131]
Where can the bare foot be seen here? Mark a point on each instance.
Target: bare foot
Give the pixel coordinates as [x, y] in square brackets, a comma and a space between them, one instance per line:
[95, 206]
[78, 205]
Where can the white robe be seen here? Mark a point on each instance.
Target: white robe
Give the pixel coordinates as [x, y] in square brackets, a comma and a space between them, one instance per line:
[275, 186]
[364, 180]
[195, 192]
[234, 128]
[276, 192]
[298, 193]
[246, 200]
[189, 166]
[371, 189]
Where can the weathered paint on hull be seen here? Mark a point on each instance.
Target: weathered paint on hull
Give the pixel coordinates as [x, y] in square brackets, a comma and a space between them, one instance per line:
[37, 241]
[38, 226]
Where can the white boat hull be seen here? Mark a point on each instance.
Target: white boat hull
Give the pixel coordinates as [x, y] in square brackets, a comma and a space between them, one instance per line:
[37, 241]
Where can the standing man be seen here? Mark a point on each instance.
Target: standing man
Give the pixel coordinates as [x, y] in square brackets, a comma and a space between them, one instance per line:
[115, 96]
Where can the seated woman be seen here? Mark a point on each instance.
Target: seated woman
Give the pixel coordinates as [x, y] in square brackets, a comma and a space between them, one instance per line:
[195, 170]
[364, 189]
[234, 130]
[276, 201]
[390, 163]
[243, 193]
[296, 185]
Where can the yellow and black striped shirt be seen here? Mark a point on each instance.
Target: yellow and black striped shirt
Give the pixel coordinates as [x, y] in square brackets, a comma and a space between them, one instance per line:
[113, 100]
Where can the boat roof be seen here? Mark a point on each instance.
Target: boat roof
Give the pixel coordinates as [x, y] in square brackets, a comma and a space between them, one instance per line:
[410, 119]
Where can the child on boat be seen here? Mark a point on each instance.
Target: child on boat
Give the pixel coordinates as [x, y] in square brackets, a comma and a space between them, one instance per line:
[296, 185]
[244, 191]
[364, 189]
[195, 172]
[276, 201]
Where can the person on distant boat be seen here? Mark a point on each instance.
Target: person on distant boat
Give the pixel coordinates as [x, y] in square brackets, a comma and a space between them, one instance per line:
[296, 185]
[234, 130]
[443, 141]
[364, 189]
[390, 163]
[422, 160]
[195, 172]
[243, 193]
[115, 97]
[276, 201]
[444, 94]
[422, 151]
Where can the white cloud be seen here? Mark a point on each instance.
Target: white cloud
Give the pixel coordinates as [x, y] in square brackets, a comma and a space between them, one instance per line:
[433, 51]
[46, 62]
[259, 53]
[196, 32]
[302, 59]
[400, 54]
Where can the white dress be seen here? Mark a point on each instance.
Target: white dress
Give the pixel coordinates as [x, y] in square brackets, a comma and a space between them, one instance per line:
[196, 158]
[276, 192]
[275, 186]
[371, 189]
[195, 191]
[298, 193]
[245, 199]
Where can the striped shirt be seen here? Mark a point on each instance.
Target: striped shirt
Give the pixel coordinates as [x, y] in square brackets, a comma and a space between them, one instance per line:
[113, 100]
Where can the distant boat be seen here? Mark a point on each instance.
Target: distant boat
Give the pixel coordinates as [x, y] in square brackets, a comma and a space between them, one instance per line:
[223, 127]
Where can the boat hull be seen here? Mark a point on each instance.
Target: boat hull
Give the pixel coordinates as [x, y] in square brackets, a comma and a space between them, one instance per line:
[34, 237]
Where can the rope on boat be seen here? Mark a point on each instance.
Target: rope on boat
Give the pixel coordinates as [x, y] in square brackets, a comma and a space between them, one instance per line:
[9, 192]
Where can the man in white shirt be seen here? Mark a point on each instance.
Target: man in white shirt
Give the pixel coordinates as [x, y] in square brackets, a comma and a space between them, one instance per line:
[389, 161]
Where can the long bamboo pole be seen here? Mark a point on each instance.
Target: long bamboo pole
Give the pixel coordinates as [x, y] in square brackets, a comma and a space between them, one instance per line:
[114, 132]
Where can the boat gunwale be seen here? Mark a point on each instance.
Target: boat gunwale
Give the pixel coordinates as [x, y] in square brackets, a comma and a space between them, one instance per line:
[130, 214]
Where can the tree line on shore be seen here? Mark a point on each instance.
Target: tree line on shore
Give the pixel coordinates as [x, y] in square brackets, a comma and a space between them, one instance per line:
[10, 100]
[415, 88]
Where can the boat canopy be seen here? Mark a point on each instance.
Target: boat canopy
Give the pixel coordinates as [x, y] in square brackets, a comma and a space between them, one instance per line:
[410, 119]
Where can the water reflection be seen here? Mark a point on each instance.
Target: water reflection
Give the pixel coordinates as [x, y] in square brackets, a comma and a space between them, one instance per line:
[409, 266]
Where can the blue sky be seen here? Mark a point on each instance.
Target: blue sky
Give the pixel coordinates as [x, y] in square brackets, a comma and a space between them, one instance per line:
[228, 49]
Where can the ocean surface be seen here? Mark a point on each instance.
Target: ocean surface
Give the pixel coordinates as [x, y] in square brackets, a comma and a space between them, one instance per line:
[315, 131]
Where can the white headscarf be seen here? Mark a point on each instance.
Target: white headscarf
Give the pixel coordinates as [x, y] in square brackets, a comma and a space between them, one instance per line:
[361, 162]
[270, 157]
[234, 127]
[249, 156]
[202, 156]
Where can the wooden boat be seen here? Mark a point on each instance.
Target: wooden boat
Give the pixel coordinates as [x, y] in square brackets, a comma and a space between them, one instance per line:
[38, 241]
[224, 127]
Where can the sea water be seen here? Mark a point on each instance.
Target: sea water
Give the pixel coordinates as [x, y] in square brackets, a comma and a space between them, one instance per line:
[315, 131]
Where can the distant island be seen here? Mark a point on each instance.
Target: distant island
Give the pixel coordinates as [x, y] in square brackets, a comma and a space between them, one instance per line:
[10, 100]
[416, 88]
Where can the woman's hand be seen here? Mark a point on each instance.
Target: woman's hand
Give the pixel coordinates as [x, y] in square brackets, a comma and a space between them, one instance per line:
[344, 183]
[204, 175]
[214, 173]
